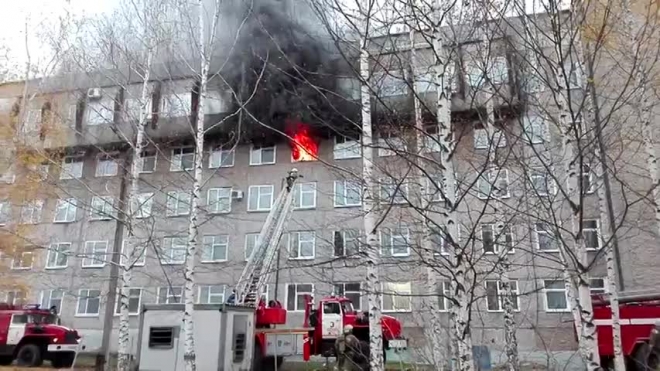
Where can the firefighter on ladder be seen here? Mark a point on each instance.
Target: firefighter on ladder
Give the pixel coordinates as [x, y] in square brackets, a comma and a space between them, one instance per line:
[346, 347]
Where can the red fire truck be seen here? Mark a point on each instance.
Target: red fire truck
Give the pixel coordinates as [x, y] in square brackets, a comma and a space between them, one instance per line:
[640, 329]
[30, 335]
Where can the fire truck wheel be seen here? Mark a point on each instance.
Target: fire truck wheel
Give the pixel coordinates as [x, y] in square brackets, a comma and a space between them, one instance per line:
[29, 355]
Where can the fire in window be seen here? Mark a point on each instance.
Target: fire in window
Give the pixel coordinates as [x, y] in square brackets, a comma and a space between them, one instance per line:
[303, 145]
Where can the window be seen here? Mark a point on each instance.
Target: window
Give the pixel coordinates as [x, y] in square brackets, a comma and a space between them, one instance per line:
[345, 148]
[139, 251]
[440, 241]
[393, 191]
[72, 167]
[260, 197]
[183, 158]
[541, 182]
[221, 157]
[591, 234]
[444, 293]
[211, 294]
[215, 248]
[434, 188]
[389, 84]
[58, 255]
[250, 243]
[147, 161]
[31, 212]
[103, 208]
[390, 146]
[474, 74]
[89, 302]
[350, 290]
[106, 166]
[545, 237]
[219, 200]
[134, 301]
[169, 295]
[498, 70]
[95, 253]
[22, 260]
[495, 295]
[262, 155]
[133, 108]
[5, 212]
[397, 297]
[301, 245]
[492, 240]
[16, 297]
[394, 242]
[295, 295]
[425, 82]
[597, 286]
[556, 299]
[494, 183]
[347, 243]
[178, 203]
[174, 250]
[65, 211]
[588, 185]
[176, 105]
[141, 205]
[348, 193]
[100, 112]
[535, 129]
[52, 298]
[482, 141]
[534, 79]
[304, 195]
[162, 337]
[573, 73]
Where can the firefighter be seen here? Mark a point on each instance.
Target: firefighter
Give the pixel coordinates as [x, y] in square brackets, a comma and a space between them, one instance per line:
[345, 347]
[293, 175]
[232, 297]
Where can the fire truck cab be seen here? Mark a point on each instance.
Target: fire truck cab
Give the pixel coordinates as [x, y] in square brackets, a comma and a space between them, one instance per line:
[29, 335]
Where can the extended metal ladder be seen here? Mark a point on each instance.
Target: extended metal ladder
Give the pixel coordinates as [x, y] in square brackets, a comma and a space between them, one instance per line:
[258, 268]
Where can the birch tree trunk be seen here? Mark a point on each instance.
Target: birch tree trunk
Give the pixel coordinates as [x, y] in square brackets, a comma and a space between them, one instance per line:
[433, 332]
[193, 228]
[370, 214]
[131, 253]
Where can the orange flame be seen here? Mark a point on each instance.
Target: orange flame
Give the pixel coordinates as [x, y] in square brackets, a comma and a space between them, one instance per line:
[303, 146]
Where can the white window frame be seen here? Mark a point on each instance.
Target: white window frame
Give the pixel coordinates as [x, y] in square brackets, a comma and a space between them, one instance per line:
[258, 189]
[345, 148]
[5, 212]
[85, 294]
[213, 242]
[97, 112]
[256, 155]
[133, 108]
[54, 251]
[182, 106]
[177, 155]
[500, 295]
[346, 240]
[474, 74]
[175, 205]
[46, 299]
[141, 261]
[171, 293]
[21, 260]
[214, 203]
[592, 230]
[397, 196]
[72, 167]
[169, 250]
[394, 294]
[535, 129]
[141, 205]
[145, 155]
[91, 252]
[101, 213]
[67, 205]
[499, 238]
[345, 187]
[131, 296]
[498, 64]
[299, 191]
[574, 69]
[310, 237]
[393, 236]
[539, 173]
[15, 297]
[389, 145]
[589, 174]
[537, 243]
[482, 141]
[493, 176]
[444, 303]
[345, 293]
[218, 155]
[248, 237]
[34, 207]
[296, 294]
[210, 294]
[546, 290]
[604, 290]
[106, 166]
[434, 193]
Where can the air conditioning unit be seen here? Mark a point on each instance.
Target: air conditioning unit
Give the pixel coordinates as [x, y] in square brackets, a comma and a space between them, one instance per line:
[237, 195]
[94, 93]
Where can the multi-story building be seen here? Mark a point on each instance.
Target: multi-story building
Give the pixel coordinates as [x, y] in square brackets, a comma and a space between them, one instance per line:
[70, 216]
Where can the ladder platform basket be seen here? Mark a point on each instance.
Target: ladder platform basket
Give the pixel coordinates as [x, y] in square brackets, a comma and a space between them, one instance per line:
[271, 315]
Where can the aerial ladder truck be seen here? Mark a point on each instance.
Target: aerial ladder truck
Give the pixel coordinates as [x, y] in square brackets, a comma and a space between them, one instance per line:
[322, 325]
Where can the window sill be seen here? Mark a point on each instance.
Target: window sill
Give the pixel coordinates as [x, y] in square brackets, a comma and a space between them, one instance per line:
[64, 222]
[263, 164]
[347, 158]
[501, 310]
[172, 263]
[548, 251]
[258, 211]
[557, 310]
[93, 266]
[86, 315]
[346, 206]
[304, 208]
[21, 269]
[99, 220]
[56, 267]
[218, 212]
[175, 216]
[129, 314]
[303, 258]
[104, 176]
[214, 261]
[180, 170]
